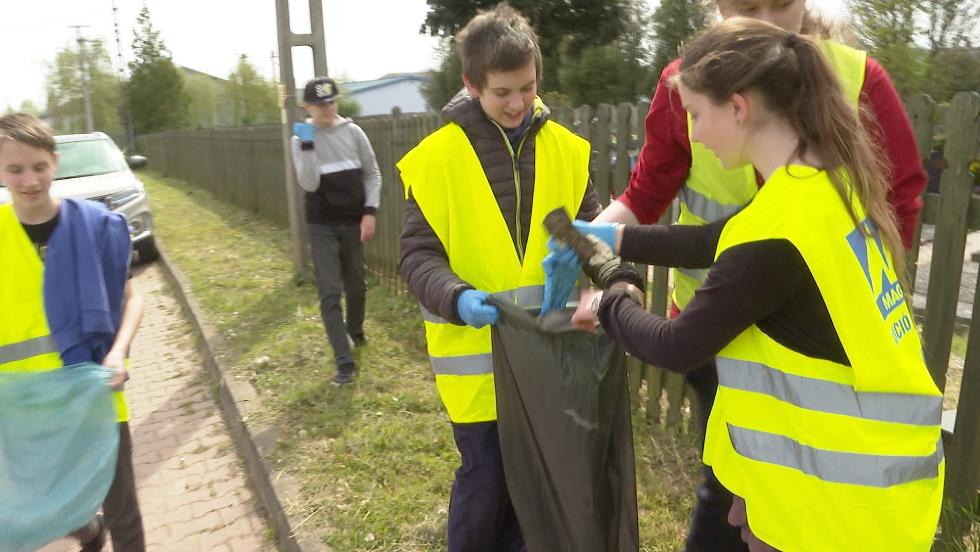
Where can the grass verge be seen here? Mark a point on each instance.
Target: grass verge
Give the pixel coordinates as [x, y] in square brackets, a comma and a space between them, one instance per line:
[375, 459]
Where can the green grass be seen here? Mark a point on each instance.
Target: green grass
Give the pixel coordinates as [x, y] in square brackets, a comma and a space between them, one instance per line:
[958, 345]
[376, 459]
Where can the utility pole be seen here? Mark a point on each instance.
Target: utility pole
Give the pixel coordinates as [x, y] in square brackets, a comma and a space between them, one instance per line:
[83, 68]
[120, 68]
[290, 113]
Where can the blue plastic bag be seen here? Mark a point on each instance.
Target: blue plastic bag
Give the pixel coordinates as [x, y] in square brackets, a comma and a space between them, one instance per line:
[59, 439]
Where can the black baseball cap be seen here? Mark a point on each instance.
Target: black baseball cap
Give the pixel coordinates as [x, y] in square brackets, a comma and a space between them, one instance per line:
[320, 90]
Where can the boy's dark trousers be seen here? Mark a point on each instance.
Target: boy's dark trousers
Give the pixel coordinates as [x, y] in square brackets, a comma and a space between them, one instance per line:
[481, 516]
[709, 530]
[338, 265]
[121, 508]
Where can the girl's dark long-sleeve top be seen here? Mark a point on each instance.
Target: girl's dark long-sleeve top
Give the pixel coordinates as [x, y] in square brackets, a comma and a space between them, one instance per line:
[765, 283]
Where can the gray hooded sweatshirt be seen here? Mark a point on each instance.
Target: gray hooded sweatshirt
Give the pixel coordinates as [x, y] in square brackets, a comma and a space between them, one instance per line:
[339, 173]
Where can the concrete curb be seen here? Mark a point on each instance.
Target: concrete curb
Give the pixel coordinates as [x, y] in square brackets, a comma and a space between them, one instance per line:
[254, 439]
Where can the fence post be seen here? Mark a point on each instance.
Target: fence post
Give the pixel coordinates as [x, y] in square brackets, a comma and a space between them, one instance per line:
[583, 122]
[624, 135]
[963, 450]
[600, 153]
[920, 109]
[963, 476]
[955, 188]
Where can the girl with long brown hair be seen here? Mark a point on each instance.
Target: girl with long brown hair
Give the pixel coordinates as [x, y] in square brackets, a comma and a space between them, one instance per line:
[826, 422]
[670, 166]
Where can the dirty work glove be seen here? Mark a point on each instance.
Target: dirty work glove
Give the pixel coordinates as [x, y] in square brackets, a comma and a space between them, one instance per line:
[605, 268]
[304, 131]
[605, 231]
[561, 270]
[473, 308]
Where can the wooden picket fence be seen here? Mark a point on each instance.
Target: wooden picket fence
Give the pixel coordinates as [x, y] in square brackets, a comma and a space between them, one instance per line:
[245, 166]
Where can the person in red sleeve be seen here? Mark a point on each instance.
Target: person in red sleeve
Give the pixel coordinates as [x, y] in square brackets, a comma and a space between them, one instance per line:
[670, 166]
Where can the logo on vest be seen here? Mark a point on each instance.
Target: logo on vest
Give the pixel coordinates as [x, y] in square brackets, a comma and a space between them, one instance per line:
[888, 293]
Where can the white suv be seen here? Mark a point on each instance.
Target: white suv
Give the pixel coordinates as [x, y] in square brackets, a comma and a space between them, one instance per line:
[90, 166]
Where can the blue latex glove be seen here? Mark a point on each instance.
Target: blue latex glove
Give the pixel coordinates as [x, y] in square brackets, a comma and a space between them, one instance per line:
[605, 231]
[303, 131]
[473, 308]
[561, 269]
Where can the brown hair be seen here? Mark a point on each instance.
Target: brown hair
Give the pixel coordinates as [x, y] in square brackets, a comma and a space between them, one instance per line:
[794, 80]
[26, 129]
[500, 39]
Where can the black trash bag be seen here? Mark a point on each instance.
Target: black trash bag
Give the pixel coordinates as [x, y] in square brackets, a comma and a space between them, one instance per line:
[565, 433]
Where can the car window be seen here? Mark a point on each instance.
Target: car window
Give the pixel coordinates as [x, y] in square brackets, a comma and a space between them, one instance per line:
[88, 158]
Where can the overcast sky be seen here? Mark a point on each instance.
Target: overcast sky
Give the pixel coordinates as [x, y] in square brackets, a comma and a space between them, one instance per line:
[365, 38]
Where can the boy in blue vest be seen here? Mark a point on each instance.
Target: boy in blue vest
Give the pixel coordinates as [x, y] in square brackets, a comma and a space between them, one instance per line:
[485, 179]
[90, 308]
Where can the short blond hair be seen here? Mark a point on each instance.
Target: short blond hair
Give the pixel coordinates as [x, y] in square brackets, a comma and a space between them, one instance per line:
[27, 129]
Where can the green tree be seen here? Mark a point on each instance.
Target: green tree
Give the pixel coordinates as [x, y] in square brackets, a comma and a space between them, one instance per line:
[253, 98]
[64, 89]
[206, 106]
[952, 66]
[593, 76]
[577, 23]
[952, 70]
[445, 81]
[348, 107]
[887, 29]
[951, 23]
[611, 73]
[156, 93]
[674, 22]
[26, 106]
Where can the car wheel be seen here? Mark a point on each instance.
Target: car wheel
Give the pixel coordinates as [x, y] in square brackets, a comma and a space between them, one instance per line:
[147, 249]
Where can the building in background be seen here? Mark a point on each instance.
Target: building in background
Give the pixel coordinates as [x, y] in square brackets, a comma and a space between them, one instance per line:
[380, 96]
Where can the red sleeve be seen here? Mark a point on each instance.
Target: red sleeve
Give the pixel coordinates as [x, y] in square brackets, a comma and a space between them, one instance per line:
[894, 133]
[665, 158]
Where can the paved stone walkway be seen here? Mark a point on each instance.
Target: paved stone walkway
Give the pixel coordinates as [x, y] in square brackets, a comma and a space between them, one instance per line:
[191, 482]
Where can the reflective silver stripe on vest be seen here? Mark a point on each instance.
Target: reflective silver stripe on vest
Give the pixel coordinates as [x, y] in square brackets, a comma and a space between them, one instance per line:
[528, 296]
[27, 349]
[828, 396]
[428, 316]
[476, 365]
[838, 467]
[468, 365]
[704, 208]
[698, 274]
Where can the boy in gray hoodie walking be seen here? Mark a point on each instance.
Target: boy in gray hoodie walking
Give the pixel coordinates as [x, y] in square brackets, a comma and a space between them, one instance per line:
[336, 166]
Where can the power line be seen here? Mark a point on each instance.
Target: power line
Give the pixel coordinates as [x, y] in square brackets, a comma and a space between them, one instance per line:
[124, 113]
[115, 28]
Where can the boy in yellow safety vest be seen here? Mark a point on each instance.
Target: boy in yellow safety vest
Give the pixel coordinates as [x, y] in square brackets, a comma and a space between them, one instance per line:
[478, 189]
[53, 317]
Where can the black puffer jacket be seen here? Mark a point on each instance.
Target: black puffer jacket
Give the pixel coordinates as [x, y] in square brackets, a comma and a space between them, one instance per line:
[424, 263]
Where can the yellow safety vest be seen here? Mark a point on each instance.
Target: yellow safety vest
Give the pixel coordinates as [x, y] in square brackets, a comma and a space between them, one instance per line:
[712, 193]
[829, 457]
[447, 181]
[26, 343]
